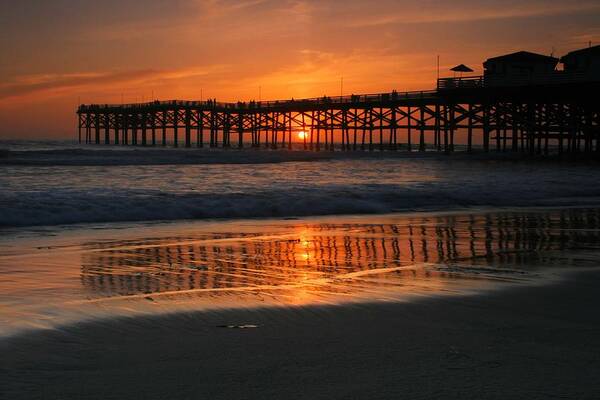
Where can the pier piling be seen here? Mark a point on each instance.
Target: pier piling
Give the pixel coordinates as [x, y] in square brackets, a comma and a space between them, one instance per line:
[537, 120]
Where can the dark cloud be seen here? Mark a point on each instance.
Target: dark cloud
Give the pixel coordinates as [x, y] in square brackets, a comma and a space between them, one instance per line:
[34, 84]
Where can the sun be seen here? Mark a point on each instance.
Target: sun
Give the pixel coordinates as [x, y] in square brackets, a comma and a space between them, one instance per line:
[302, 135]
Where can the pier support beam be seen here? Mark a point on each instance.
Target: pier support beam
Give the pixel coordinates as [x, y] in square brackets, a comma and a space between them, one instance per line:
[125, 135]
[175, 128]
[422, 128]
[79, 127]
[118, 123]
[144, 126]
[97, 128]
[188, 128]
[200, 132]
[163, 122]
[153, 127]
[486, 128]
[470, 127]
[106, 128]
[409, 128]
[531, 124]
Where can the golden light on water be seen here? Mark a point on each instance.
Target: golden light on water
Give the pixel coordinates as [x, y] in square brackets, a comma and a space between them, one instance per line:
[227, 265]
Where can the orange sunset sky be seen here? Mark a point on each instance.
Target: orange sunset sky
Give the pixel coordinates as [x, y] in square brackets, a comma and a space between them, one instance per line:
[54, 52]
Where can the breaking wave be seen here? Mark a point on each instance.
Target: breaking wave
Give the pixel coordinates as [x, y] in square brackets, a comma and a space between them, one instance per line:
[70, 206]
[67, 185]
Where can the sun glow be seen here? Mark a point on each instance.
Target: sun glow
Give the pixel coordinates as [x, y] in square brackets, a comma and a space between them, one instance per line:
[302, 135]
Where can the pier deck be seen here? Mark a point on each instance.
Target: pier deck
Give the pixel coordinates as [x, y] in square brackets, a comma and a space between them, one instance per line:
[534, 118]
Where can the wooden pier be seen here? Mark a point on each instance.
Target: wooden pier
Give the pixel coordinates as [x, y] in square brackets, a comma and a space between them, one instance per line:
[561, 117]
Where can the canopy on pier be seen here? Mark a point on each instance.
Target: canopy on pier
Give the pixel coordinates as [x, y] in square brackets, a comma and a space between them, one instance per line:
[460, 69]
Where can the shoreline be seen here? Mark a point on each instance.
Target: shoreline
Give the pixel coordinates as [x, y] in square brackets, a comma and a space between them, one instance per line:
[107, 156]
[98, 194]
[518, 342]
[585, 203]
[102, 271]
[432, 212]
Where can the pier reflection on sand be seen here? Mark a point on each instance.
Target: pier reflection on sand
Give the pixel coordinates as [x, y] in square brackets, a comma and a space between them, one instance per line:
[200, 265]
[303, 259]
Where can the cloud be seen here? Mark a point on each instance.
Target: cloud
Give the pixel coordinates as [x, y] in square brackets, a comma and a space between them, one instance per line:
[317, 73]
[219, 8]
[472, 12]
[592, 35]
[35, 85]
[55, 51]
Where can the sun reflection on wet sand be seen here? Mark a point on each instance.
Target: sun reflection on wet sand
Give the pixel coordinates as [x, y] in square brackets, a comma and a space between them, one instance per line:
[196, 265]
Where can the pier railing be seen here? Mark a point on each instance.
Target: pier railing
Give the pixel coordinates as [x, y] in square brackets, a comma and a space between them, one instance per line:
[515, 80]
[384, 121]
[376, 98]
[467, 82]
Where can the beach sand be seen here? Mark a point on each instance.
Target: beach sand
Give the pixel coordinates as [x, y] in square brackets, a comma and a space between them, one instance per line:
[521, 342]
[487, 304]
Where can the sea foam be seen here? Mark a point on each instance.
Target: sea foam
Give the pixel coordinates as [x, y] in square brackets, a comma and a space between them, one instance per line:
[76, 185]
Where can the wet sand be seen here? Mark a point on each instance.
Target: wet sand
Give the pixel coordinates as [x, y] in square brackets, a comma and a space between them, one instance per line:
[55, 276]
[487, 304]
[522, 342]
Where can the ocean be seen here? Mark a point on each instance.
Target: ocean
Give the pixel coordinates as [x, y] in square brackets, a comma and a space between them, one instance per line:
[62, 183]
[166, 273]
[92, 232]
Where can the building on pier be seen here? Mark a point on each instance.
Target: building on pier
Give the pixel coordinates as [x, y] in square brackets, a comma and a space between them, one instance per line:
[519, 67]
[520, 104]
[585, 62]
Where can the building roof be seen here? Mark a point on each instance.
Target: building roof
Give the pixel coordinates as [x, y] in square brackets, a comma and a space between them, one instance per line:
[461, 68]
[587, 50]
[523, 56]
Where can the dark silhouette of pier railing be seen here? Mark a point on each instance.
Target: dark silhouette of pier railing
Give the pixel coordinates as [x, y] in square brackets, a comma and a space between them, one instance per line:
[375, 99]
[467, 82]
[523, 80]
[534, 115]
